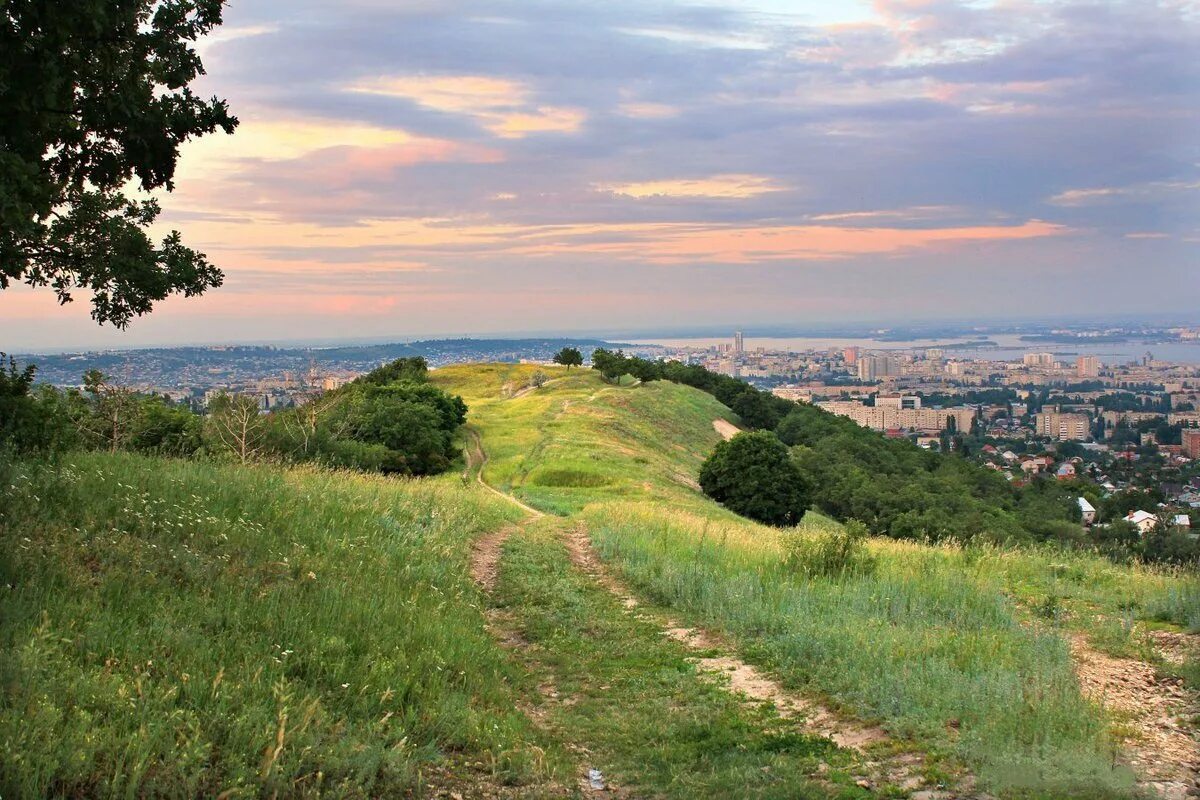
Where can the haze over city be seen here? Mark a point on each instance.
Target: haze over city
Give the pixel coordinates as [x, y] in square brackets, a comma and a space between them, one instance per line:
[431, 168]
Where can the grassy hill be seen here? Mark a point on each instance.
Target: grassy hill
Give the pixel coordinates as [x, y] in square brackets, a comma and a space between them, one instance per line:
[578, 440]
[962, 649]
[181, 628]
[186, 629]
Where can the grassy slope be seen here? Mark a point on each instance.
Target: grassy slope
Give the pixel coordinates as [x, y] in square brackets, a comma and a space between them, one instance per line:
[187, 629]
[634, 699]
[941, 644]
[579, 440]
[166, 637]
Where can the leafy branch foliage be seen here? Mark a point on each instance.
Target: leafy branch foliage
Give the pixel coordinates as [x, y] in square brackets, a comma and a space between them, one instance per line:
[94, 94]
[569, 357]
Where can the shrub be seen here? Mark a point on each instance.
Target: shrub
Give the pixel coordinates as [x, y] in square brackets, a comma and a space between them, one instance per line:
[833, 552]
[32, 419]
[752, 474]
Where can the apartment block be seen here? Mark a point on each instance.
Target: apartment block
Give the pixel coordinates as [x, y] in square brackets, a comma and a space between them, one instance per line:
[1064, 427]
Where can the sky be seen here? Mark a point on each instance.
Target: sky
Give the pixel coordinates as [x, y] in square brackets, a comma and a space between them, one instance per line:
[436, 167]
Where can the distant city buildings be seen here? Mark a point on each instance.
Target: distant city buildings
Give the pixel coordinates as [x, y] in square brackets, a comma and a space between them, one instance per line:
[895, 416]
[873, 367]
[897, 401]
[1087, 367]
[1038, 359]
[1191, 442]
[1064, 427]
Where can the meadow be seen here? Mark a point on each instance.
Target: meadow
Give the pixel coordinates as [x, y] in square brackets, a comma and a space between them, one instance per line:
[184, 629]
[579, 440]
[192, 628]
[960, 649]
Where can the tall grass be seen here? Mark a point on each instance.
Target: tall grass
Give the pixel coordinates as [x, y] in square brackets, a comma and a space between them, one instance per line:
[181, 629]
[954, 645]
[934, 650]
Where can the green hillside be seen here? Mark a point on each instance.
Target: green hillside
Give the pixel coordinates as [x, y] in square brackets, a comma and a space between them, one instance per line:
[184, 628]
[963, 650]
[579, 440]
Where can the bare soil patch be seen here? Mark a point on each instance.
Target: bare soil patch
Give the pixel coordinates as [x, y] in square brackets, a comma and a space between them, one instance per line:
[485, 557]
[1161, 748]
[727, 429]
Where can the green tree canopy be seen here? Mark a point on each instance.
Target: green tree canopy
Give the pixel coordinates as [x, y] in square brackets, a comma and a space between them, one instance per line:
[94, 94]
[610, 365]
[752, 474]
[569, 357]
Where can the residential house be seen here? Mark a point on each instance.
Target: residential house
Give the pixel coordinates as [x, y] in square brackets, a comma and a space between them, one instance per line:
[1087, 512]
[1144, 521]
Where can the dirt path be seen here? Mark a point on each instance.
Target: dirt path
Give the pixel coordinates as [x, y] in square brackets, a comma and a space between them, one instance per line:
[1162, 751]
[716, 658]
[485, 557]
[883, 764]
[477, 459]
[530, 389]
[726, 428]
[486, 553]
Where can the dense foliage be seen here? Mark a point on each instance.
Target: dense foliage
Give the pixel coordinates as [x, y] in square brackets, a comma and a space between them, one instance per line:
[93, 95]
[753, 475]
[569, 357]
[896, 488]
[390, 420]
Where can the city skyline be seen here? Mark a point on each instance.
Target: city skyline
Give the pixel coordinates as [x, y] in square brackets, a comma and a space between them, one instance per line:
[428, 169]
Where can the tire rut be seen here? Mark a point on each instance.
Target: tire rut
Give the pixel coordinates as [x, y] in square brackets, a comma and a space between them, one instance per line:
[716, 658]
[484, 568]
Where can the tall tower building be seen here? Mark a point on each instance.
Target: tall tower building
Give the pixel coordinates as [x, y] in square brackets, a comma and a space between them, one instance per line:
[1191, 442]
[739, 346]
[1038, 359]
[872, 367]
[1087, 366]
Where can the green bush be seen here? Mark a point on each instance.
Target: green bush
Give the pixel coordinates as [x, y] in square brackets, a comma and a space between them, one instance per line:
[831, 552]
[752, 474]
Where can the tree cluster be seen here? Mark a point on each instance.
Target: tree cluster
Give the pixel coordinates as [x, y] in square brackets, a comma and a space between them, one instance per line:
[391, 420]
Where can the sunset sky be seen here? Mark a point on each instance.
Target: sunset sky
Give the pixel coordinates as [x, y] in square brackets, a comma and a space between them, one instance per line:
[426, 168]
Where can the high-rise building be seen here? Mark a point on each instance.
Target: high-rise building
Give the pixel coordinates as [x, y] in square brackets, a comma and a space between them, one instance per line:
[1191, 442]
[739, 346]
[850, 356]
[1087, 367]
[872, 367]
[1064, 427]
[1038, 359]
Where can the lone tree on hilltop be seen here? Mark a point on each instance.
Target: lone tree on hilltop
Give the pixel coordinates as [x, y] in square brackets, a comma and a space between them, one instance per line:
[94, 94]
[752, 474]
[569, 357]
